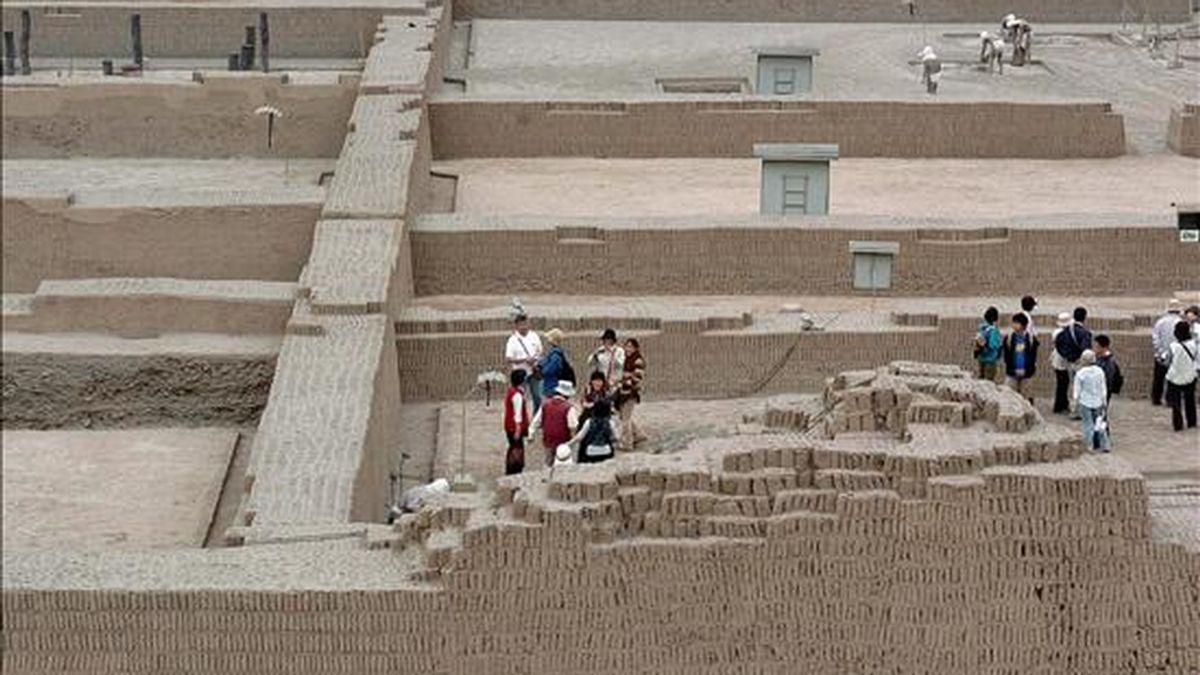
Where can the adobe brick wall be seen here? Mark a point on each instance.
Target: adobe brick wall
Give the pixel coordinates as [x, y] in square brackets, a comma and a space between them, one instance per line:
[722, 364]
[50, 239]
[212, 119]
[47, 390]
[330, 433]
[1183, 130]
[730, 128]
[990, 11]
[760, 258]
[178, 30]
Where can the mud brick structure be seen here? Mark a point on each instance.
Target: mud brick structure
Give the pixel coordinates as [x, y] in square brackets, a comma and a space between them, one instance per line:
[243, 311]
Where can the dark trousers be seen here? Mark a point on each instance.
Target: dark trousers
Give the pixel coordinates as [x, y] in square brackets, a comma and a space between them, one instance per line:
[514, 459]
[1182, 399]
[1160, 380]
[1062, 388]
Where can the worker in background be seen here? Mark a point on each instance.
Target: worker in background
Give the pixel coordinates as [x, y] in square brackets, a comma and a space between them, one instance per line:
[931, 70]
[991, 51]
[1018, 33]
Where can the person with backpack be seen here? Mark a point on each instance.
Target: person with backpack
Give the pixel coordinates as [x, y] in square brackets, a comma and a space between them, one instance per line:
[1020, 356]
[1070, 341]
[987, 344]
[1181, 378]
[554, 364]
[1089, 392]
[1114, 380]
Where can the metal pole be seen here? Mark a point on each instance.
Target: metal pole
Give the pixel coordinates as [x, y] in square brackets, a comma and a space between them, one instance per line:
[26, 29]
[270, 131]
[135, 30]
[10, 53]
[264, 32]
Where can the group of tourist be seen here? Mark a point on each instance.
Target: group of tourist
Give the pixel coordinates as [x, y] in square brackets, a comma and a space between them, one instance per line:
[1086, 372]
[576, 426]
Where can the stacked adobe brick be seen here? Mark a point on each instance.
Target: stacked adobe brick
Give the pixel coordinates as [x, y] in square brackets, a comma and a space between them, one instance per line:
[991, 548]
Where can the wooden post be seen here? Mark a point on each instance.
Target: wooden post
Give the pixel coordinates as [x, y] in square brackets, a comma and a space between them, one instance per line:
[10, 53]
[235, 61]
[135, 30]
[26, 29]
[106, 66]
[264, 34]
[246, 57]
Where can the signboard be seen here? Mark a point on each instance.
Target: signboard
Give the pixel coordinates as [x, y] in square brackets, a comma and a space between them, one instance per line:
[1189, 236]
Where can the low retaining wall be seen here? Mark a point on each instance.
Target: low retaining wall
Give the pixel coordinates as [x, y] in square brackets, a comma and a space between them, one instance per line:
[189, 30]
[209, 119]
[51, 239]
[1183, 131]
[1106, 11]
[92, 388]
[142, 307]
[694, 364]
[730, 128]
[760, 257]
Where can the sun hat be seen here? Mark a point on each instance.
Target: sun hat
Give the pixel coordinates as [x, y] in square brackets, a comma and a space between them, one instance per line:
[609, 334]
[565, 388]
[1064, 320]
[563, 454]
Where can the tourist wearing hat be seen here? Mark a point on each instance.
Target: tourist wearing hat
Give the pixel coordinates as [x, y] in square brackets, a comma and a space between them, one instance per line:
[1089, 391]
[609, 358]
[556, 418]
[1161, 338]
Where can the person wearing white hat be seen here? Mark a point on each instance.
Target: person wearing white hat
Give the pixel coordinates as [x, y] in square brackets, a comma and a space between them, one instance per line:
[563, 454]
[931, 70]
[1161, 337]
[556, 418]
[1089, 391]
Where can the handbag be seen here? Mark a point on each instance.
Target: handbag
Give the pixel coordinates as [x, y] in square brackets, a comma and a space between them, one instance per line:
[601, 450]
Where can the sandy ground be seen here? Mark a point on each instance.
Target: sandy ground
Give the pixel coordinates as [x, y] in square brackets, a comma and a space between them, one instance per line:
[892, 187]
[597, 59]
[167, 182]
[112, 490]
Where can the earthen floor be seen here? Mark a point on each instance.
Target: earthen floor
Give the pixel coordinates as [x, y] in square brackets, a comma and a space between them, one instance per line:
[92, 490]
[1068, 192]
[92, 182]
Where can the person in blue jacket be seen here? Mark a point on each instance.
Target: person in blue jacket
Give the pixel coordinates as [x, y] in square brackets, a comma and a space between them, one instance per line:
[987, 345]
[554, 366]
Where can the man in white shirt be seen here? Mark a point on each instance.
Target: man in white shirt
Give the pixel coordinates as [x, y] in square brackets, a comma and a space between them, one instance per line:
[522, 352]
[1089, 391]
[1161, 338]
